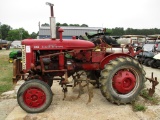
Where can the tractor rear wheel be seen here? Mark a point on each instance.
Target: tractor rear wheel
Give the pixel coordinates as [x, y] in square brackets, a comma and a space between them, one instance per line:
[122, 80]
[34, 96]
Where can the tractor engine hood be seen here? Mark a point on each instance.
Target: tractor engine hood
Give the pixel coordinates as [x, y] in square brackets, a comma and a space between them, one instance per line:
[73, 44]
[49, 44]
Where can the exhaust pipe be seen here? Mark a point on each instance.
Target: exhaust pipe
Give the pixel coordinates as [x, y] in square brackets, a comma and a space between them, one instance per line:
[52, 22]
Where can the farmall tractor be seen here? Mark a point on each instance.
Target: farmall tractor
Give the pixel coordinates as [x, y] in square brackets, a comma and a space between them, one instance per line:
[119, 75]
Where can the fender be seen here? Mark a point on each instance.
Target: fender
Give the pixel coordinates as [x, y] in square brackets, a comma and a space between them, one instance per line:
[107, 59]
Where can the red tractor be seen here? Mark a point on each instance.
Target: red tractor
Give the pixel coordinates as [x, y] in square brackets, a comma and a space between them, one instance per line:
[120, 77]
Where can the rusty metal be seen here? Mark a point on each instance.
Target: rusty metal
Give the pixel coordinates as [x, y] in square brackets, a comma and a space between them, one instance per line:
[154, 82]
[17, 71]
[78, 81]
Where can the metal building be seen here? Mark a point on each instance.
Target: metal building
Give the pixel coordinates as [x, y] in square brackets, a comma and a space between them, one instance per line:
[69, 31]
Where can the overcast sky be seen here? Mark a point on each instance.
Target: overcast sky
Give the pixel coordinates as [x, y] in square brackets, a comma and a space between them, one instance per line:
[95, 13]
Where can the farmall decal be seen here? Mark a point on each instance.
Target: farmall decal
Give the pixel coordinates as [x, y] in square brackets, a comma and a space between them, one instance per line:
[51, 46]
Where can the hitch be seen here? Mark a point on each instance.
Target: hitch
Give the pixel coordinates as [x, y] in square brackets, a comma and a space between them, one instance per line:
[154, 82]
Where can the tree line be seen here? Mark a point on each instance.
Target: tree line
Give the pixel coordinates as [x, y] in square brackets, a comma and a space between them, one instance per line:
[8, 33]
[119, 31]
[65, 24]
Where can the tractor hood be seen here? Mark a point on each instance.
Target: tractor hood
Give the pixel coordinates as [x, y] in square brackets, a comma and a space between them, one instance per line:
[49, 44]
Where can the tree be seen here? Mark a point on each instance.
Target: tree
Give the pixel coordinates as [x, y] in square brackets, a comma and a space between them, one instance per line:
[84, 25]
[58, 24]
[33, 35]
[71, 25]
[4, 29]
[17, 34]
[117, 31]
[76, 25]
[64, 24]
[45, 24]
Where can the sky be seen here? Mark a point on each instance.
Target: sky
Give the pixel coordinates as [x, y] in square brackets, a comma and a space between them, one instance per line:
[137, 14]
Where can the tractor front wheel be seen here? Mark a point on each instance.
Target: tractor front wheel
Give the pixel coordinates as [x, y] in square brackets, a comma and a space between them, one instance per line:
[122, 80]
[34, 96]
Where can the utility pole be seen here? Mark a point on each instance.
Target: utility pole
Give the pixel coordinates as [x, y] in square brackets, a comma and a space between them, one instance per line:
[20, 33]
[1, 30]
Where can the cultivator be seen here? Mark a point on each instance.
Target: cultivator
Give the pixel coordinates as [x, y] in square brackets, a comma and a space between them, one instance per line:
[154, 82]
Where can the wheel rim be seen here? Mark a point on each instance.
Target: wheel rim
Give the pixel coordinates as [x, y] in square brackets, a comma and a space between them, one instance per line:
[124, 81]
[34, 97]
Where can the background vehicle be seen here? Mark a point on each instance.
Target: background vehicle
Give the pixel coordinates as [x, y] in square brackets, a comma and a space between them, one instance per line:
[149, 50]
[136, 41]
[5, 44]
[16, 44]
[120, 76]
[15, 54]
[155, 62]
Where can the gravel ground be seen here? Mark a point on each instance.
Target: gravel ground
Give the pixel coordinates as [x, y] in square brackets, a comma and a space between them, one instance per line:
[77, 109]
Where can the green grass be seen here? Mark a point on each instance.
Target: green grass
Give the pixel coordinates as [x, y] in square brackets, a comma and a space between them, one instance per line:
[139, 107]
[155, 100]
[6, 71]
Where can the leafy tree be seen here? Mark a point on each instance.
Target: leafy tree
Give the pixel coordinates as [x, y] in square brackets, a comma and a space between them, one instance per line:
[71, 25]
[13, 35]
[58, 24]
[117, 31]
[64, 24]
[84, 25]
[33, 35]
[4, 29]
[17, 34]
[76, 25]
[23, 34]
[45, 24]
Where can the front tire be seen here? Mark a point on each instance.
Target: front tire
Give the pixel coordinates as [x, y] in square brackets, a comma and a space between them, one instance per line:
[122, 80]
[34, 96]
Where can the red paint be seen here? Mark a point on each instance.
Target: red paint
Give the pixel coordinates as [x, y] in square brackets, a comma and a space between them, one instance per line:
[29, 60]
[49, 44]
[61, 61]
[97, 56]
[90, 66]
[124, 81]
[34, 97]
[60, 30]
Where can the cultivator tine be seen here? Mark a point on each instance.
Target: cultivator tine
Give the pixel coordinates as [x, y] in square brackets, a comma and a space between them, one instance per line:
[81, 91]
[90, 92]
[64, 91]
[154, 82]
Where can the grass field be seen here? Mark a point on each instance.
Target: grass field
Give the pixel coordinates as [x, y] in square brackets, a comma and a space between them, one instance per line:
[6, 71]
